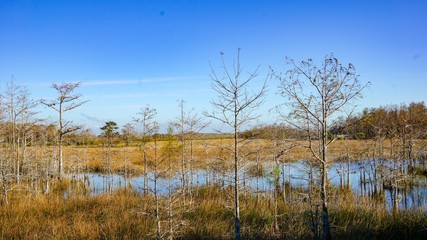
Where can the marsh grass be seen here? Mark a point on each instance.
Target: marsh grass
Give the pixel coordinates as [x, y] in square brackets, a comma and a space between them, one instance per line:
[256, 170]
[53, 217]
[419, 170]
[360, 222]
[91, 158]
[121, 216]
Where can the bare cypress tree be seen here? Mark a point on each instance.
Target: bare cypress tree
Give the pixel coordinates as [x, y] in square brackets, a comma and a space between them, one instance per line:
[182, 132]
[235, 107]
[156, 177]
[196, 124]
[315, 94]
[11, 99]
[6, 169]
[169, 150]
[18, 108]
[149, 126]
[188, 124]
[278, 150]
[26, 114]
[128, 133]
[65, 102]
[5, 179]
[109, 132]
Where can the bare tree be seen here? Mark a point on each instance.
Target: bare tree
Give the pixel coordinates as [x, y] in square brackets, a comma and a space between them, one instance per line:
[235, 107]
[47, 154]
[65, 102]
[109, 132]
[169, 152]
[189, 124]
[128, 133]
[182, 132]
[157, 160]
[18, 109]
[5, 181]
[196, 124]
[149, 126]
[11, 99]
[155, 190]
[315, 94]
[26, 114]
[6, 169]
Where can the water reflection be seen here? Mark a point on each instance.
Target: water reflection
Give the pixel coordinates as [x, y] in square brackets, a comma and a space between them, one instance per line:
[364, 178]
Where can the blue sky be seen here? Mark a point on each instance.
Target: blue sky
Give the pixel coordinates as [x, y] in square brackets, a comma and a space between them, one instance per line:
[132, 53]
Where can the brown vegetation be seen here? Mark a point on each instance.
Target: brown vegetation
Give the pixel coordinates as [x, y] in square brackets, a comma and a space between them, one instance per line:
[121, 216]
[216, 148]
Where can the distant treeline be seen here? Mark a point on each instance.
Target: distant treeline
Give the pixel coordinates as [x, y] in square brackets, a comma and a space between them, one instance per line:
[396, 121]
[386, 122]
[403, 121]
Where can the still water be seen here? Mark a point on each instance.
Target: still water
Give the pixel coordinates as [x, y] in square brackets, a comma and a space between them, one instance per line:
[364, 177]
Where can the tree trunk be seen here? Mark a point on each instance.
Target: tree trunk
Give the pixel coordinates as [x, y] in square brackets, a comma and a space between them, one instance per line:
[61, 135]
[4, 200]
[236, 180]
[145, 169]
[325, 215]
[324, 171]
[183, 170]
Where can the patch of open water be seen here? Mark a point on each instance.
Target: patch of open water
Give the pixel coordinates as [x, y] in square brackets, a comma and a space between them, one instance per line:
[360, 176]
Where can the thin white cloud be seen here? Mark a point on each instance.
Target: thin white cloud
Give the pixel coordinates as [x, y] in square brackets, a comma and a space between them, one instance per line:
[110, 107]
[124, 95]
[134, 81]
[112, 82]
[186, 92]
[91, 118]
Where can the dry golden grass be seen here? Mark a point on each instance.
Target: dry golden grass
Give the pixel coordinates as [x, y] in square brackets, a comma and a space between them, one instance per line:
[53, 217]
[219, 150]
[118, 216]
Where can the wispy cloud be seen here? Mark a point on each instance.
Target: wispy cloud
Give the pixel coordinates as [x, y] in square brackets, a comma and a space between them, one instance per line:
[112, 82]
[186, 92]
[134, 81]
[91, 118]
[121, 96]
[121, 106]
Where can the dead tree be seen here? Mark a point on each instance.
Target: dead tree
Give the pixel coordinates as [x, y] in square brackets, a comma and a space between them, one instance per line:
[189, 124]
[26, 113]
[109, 132]
[315, 94]
[235, 107]
[128, 133]
[10, 102]
[195, 124]
[163, 212]
[148, 125]
[65, 102]
[182, 132]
